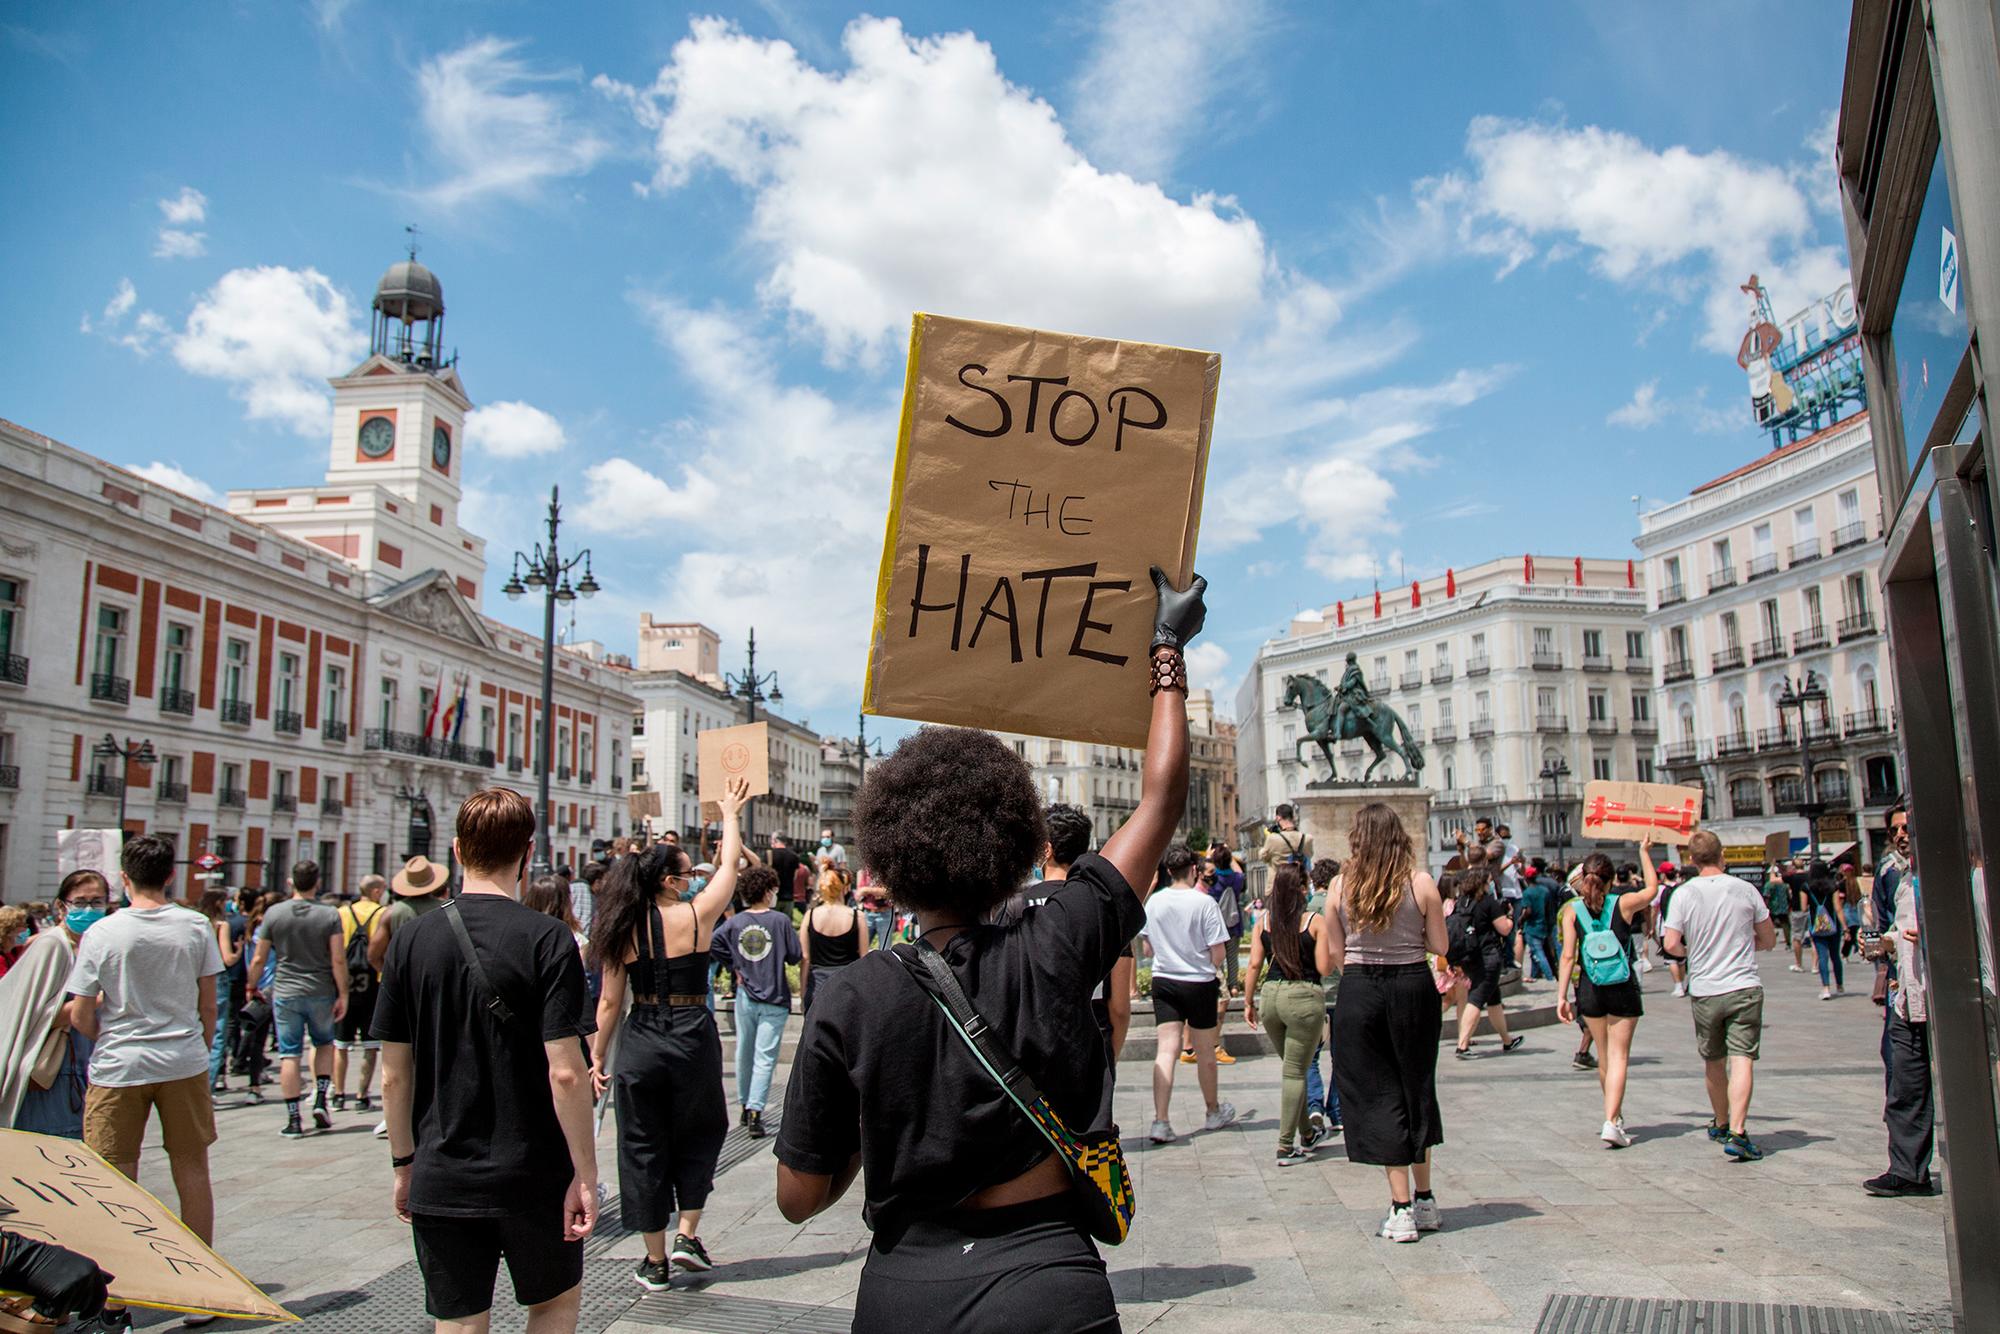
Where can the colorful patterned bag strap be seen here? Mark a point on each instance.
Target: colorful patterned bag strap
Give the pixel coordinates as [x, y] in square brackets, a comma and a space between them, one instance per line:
[934, 975]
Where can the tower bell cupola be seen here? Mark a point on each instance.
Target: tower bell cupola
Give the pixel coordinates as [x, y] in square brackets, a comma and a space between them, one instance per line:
[408, 323]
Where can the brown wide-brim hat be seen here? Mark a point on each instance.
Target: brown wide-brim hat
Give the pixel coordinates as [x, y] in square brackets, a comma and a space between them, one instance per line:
[420, 876]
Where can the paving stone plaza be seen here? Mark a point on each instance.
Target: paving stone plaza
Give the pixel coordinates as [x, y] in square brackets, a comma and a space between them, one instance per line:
[1535, 1206]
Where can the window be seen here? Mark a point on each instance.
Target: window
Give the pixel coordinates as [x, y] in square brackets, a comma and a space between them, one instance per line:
[1599, 706]
[1416, 718]
[1769, 609]
[288, 682]
[12, 638]
[170, 770]
[1444, 712]
[235, 669]
[232, 778]
[1746, 796]
[1760, 540]
[1805, 524]
[1450, 775]
[1677, 643]
[1722, 555]
[175, 673]
[1739, 721]
[1670, 574]
[1486, 768]
[386, 719]
[1545, 701]
[1642, 706]
[1600, 767]
[109, 655]
[486, 727]
[1854, 595]
[1848, 506]
[1444, 655]
[1643, 766]
[426, 701]
[1809, 599]
[283, 777]
[1732, 637]
[1593, 643]
[1687, 723]
[1381, 672]
[1635, 645]
[1410, 660]
[1482, 706]
[1479, 645]
[336, 693]
[1545, 642]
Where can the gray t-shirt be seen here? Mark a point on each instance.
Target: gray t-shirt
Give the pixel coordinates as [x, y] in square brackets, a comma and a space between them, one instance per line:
[301, 932]
[145, 965]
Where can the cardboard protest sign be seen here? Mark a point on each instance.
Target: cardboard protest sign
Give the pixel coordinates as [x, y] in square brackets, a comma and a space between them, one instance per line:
[1777, 847]
[57, 1190]
[1630, 811]
[1038, 475]
[642, 805]
[92, 850]
[725, 753]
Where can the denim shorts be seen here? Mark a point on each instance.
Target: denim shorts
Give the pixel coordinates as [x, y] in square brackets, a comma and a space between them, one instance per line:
[297, 1014]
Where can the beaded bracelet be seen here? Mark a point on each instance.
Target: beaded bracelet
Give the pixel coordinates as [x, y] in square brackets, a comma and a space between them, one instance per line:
[1169, 671]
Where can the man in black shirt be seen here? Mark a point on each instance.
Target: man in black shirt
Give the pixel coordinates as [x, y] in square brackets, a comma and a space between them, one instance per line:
[786, 863]
[486, 1086]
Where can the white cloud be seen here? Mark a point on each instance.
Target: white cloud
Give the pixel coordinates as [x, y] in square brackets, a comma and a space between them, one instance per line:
[1143, 48]
[185, 209]
[511, 429]
[1208, 668]
[176, 478]
[273, 335]
[172, 244]
[144, 331]
[1643, 411]
[121, 301]
[1263, 569]
[491, 132]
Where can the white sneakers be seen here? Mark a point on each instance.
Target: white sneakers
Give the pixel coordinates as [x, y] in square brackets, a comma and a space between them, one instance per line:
[1162, 1133]
[1429, 1217]
[1680, 988]
[1401, 1224]
[1614, 1135]
[382, 1129]
[1825, 993]
[1793, 968]
[1220, 1117]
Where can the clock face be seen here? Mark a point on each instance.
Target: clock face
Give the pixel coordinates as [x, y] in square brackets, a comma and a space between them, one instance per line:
[378, 437]
[441, 448]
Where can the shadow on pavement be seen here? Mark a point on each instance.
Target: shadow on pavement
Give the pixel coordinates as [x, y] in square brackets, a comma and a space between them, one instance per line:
[1166, 1283]
[1485, 1213]
[777, 1266]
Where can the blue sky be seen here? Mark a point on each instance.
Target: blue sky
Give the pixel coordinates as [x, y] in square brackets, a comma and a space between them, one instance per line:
[1472, 268]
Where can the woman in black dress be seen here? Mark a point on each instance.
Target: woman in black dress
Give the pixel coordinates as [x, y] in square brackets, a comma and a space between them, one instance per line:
[975, 1224]
[666, 1069]
[835, 934]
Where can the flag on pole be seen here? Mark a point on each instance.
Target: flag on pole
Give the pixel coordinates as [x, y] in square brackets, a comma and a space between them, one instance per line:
[1450, 584]
[459, 710]
[1631, 575]
[1378, 604]
[437, 695]
[1340, 613]
[1528, 568]
[1416, 595]
[1579, 572]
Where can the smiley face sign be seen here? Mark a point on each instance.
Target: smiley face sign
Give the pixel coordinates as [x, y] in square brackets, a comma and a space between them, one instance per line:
[728, 753]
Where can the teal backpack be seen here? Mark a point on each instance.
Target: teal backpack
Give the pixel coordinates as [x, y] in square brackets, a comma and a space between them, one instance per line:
[1605, 962]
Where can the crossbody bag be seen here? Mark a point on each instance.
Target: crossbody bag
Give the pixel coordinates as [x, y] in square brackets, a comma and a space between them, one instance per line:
[493, 1004]
[1098, 1174]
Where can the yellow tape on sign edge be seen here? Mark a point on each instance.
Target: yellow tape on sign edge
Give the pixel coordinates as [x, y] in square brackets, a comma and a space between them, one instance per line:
[895, 522]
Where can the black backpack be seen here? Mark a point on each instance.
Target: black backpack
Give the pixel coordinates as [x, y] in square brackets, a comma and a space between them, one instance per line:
[1460, 946]
[360, 975]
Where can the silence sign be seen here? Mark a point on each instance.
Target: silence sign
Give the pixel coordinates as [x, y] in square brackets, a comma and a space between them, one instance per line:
[57, 1190]
[1038, 475]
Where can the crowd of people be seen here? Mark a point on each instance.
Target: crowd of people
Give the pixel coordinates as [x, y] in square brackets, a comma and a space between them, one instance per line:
[963, 994]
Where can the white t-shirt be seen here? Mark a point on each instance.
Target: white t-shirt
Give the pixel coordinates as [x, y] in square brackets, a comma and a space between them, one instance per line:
[147, 964]
[1717, 916]
[1181, 925]
[1510, 874]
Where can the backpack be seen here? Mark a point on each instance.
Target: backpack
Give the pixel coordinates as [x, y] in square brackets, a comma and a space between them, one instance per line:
[1459, 944]
[1605, 961]
[360, 976]
[1295, 842]
[1822, 917]
[1232, 908]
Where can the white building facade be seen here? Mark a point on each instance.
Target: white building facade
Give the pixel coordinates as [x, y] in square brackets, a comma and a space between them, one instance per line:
[1499, 672]
[1758, 578]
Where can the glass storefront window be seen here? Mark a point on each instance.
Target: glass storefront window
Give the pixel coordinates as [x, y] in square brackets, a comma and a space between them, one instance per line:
[1930, 331]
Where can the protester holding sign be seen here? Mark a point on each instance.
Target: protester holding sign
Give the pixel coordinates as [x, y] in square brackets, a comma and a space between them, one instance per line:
[1597, 934]
[975, 1219]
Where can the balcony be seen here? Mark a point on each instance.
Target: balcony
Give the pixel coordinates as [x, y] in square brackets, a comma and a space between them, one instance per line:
[586, 778]
[1683, 753]
[285, 803]
[430, 748]
[174, 793]
[1478, 666]
[1480, 727]
[1858, 626]
[1444, 736]
[1482, 796]
[288, 722]
[1732, 744]
[1410, 680]
[1764, 650]
[687, 783]
[1808, 639]
[1548, 660]
[1867, 722]
[1601, 726]
[562, 773]
[1441, 674]
[1645, 727]
[1806, 551]
[617, 783]
[234, 711]
[10, 777]
[1552, 722]
[108, 689]
[1722, 578]
[333, 732]
[1639, 666]
[1747, 806]
[1787, 793]
[175, 700]
[1764, 566]
[103, 785]
[1849, 535]
[332, 807]
[514, 765]
[1776, 738]
[13, 669]
[1673, 594]
[1835, 790]
[1678, 669]
[232, 798]
[1881, 796]
[1596, 662]
[1727, 660]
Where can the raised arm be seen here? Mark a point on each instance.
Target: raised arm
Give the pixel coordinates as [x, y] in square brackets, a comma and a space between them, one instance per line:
[714, 896]
[1135, 849]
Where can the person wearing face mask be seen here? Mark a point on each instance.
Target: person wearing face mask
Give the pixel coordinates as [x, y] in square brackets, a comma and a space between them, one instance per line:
[830, 851]
[43, 1059]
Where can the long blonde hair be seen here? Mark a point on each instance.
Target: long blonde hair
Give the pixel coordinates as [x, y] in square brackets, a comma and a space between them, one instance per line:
[832, 886]
[1378, 868]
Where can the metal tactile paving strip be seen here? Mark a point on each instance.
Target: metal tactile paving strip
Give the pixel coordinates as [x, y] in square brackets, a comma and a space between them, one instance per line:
[716, 1313]
[1569, 1314]
[394, 1304]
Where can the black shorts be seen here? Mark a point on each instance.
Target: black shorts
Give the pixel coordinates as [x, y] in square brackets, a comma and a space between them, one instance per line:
[460, 1258]
[1191, 1003]
[1620, 1000]
[1482, 974]
[352, 1030]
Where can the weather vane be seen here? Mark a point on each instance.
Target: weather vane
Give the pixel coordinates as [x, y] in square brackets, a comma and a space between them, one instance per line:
[410, 229]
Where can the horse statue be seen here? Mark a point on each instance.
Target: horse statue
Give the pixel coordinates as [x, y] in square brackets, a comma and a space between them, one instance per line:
[1355, 717]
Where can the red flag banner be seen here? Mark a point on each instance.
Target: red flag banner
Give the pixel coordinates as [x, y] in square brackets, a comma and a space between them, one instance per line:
[1579, 572]
[1450, 584]
[1378, 604]
[1631, 575]
[1340, 613]
[1416, 595]
[1528, 568]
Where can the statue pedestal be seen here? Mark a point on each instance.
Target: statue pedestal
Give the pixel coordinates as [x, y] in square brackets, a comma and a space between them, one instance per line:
[1328, 813]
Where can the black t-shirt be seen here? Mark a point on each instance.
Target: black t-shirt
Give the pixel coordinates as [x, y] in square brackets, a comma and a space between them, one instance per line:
[878, 1071]
[488, 1142]
[1797, 883]
[786, 863]
[1490, 906]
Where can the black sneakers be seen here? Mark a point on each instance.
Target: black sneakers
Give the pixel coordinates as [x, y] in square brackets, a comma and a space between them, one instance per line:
[1889, 1186]
[688, 1253]
[321, 1121]
[653, 1275]
[753, 1122]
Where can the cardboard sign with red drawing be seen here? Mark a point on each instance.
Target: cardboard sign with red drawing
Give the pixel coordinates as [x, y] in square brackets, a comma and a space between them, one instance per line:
[1628, 812]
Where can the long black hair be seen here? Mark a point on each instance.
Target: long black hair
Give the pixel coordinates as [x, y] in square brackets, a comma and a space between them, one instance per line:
[1285, 903]
[625, 895]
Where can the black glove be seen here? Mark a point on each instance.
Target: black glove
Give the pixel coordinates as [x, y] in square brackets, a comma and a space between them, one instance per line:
[1179, 615]
[62, 1282]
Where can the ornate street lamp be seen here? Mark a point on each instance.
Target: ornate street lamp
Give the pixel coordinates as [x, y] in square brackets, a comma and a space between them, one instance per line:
[753, 690]
[549, 572]
[1553, 773]
[1809, 692]
[140, 752]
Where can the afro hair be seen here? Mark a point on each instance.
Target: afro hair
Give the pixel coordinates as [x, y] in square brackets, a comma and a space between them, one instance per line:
[950, 821]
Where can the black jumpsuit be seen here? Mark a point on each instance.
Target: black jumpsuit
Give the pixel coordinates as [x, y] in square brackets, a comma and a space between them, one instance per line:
[668, 1083]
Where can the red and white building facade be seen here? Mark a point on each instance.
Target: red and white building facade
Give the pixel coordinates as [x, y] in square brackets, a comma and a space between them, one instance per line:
[296, 661]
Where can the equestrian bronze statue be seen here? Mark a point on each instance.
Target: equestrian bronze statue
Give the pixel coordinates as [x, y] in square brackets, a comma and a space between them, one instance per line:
[1350, 714]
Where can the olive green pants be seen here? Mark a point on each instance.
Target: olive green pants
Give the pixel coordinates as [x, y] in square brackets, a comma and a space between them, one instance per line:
[1294, 1016]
